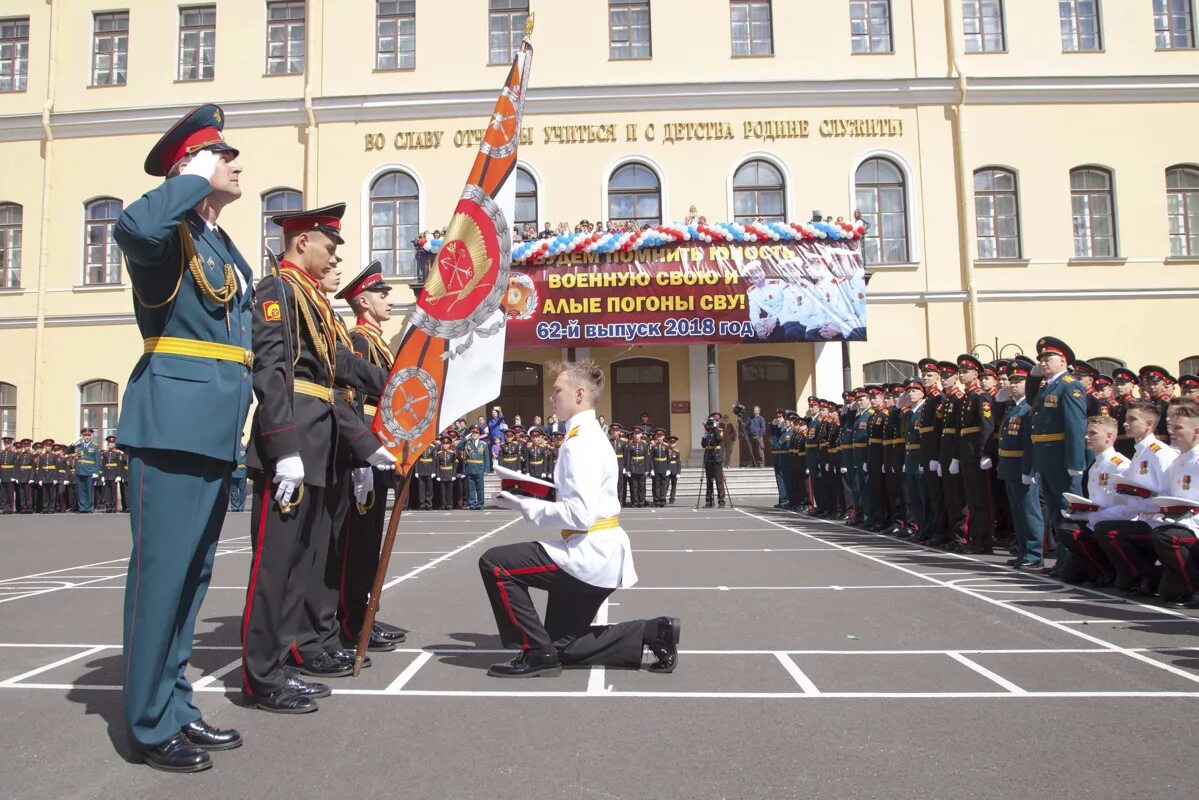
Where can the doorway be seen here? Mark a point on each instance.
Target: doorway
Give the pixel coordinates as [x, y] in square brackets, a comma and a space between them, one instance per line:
[521, 392]
[641, 385]
[769, 382]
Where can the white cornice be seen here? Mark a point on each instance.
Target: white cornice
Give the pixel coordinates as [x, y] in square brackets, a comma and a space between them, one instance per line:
[473, 104]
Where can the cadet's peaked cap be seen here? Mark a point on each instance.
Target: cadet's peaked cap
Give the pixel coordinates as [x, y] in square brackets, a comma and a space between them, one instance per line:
[662, 431]
[947, 368]
[967, 361]
[49, 442]
[813, 400]
[5, 438]
[872, 389]
[1084, 369]
[1154, 372]
[509, 432]
[369, 280]
[326, 219]
[927, 365]
[1020, 367]
[615, 426]
[672, 439]
[791, 415]
[1124, 374]
[991, 369]
[1103, 380]
[1049, 344]
[1188, 381]
[638, 429]
[200, 129]
[914, 383]
[779, 411]
[86, 430]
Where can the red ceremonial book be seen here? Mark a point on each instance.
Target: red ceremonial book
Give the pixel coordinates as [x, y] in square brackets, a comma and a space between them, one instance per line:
[1078, 503]
[519, 483]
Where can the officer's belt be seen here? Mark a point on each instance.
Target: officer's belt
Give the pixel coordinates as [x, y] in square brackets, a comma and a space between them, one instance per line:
[601, 525]
[949, 431]
[661, 459]
[778, 452]
[914, 446]
[1048, 437]
[347, 395]
[311, 389]
[929, 429]
[1011, 454]
[174, 346]
[370, 410]
[877, 441]
[857, 445]
[474, 461]
[971, 429]
[892, 442]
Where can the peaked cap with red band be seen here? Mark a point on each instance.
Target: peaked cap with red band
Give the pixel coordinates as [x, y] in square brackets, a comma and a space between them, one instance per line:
[369, 280]
[1020, 367]
[326, 219]
[200, 129]
[1153, 372]
[1048, 344]
[1124, 375]
[947, 368]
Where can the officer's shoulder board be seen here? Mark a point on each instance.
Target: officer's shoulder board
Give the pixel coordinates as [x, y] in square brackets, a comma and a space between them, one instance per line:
[1117, 460]
[1067, 379]
[573, 433]
[1155, 447]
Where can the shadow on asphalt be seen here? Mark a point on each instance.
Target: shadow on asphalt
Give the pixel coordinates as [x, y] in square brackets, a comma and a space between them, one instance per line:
[466, 643]
[106, 671]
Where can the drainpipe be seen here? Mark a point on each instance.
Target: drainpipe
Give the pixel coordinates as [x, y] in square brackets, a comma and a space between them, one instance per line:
[312, 63]
[44, 234]
[962, 175]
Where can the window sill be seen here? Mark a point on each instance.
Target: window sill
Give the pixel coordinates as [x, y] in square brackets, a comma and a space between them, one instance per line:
[986, 53]
[389, 70]
[1100, 51]
[872, 53]
[283, 74]
[1182, 260]
[1173, 49]
[1001, 262]
[906, 266]
[612, 60]
[751, 56]
[15, 91]
[13, 290]
[107, 85]
[1097, 262]
[179, 81]
[101, 287]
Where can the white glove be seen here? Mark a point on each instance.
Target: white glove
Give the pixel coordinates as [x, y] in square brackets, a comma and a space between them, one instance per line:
[103, 481]
[920, 470]
[955, 467]
[39, 483]
[651, 473]
[626, 472]
[985, 463]
[363, 483]
[507, 500]
[865, 468]
[1028, 480]
[289, 474]
[382, 459]
[118, 480]
[935, 466]
[1074, 473]
[203, 164]
[844, 470]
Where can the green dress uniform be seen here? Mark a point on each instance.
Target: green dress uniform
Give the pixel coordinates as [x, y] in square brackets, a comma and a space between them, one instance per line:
[1023, 498]
[780, 455]
[182, 415]
[237, 483]
[87, 466]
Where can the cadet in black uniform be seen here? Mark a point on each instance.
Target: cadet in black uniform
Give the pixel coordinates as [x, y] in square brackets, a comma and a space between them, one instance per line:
[25, 467]
[976, 425]
[894, 450]
[637, 466]
[110, 468]
[659, 454]
[876, 460]
[512, 455]
[47, 478]
[798, 483]
[446, 461]
[423, 475]
[8, 476]
[539, 458]
[712, 444]
[947, 451]
[674, 465]
[619, 445]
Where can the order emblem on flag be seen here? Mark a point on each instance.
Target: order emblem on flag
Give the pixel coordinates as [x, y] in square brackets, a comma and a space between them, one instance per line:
[451, 355]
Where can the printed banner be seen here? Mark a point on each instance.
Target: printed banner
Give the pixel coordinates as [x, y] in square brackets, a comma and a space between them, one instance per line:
[810, 291]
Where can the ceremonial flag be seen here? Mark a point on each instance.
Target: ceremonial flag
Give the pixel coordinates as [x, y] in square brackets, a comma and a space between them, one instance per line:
[452, 353]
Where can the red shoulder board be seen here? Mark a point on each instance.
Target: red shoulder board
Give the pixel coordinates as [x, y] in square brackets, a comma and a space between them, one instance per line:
[1104, 412]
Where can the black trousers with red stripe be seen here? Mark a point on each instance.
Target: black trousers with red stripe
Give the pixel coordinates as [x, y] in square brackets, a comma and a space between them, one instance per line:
[1177, 548]
[1129, 546]
[272, 616]
[360, 555]
[319, 630]
[1090, 561]
[509, 571]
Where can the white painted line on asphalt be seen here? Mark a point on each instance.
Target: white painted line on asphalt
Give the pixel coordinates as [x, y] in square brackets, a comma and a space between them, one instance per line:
[75, 657]
[1190, 676]
[213, 677]
[988, 674]
[63, 585]
[409, 671]
[640, 550]
[418, 570]
[797, 674]
[769, 588]
[1138, 620]
[595, 681]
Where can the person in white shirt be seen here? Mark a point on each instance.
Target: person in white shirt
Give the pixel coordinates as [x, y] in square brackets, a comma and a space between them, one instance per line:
[1077, 535]
[588, 557]
[1129, 544]
[765, 300]
[1177, 541]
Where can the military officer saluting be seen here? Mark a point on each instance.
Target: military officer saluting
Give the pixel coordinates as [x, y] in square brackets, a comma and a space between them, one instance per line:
[182, 416]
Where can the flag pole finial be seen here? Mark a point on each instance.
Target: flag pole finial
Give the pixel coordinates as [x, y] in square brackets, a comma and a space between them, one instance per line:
[529, 25]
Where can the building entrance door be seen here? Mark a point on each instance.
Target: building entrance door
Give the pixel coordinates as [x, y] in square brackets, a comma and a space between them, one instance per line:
[521, 392]
[769, 382]
[641, 385]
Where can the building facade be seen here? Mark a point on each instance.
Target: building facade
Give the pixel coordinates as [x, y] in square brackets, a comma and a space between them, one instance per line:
[1027, 168]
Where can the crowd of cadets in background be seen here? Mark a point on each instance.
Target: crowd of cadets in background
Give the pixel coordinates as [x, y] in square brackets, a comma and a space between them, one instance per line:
[48, 477]
[969, 455]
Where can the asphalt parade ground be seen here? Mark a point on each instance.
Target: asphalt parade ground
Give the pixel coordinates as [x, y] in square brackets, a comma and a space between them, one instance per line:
[816, 661]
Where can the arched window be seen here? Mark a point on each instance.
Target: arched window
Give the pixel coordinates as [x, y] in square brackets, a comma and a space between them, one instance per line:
[880, 193]
[1105, 365]
[1189, 366]
[395, 215]
[8, 410]
[98, 407]
[635, 196]
[101, 256]
[275, 202]
[996, 215]
[758, 192]
[888, 371]
[10, 245]
[1182, 210]
[526, 199]
[1093, 206]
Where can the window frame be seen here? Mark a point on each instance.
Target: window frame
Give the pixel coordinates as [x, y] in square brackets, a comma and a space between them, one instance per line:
[1099, 362]
[115, 36]
[1190, 196]
[1075, 20]
[513, 29]
[634, 192]
[870, 34]
[399, 17]
[889, 366]
[287, 24]
[995, 217]
[7, 229]
[19, 78]
[395, 226]
[749, 6]
[1169, 30]
[533, 196]
[102, 429]
[982, 36]
[199, 30]
[8, 410]
[1188, 365]
[1090, 193]
[628, 7]
[758, 188]
[109, 242]
[268, 230]
[874, 219]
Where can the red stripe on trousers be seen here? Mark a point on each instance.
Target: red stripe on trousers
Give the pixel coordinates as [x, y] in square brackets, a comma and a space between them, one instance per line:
[1099, 568]
[245, 619]
[1111, 537]
[341, 591]
[508, 605]
[137, 585]
[1182, 567]
[295, 653]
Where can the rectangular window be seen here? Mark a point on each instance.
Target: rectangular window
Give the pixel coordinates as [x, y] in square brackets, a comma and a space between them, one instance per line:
[285, 37]
[10, 245]
[395, 34]
[197, 43]
[14, 54]
[628, 29]
[1173, 24]
[8, 409]
[505, 29]
[1080, 26]
[1093, 208]
[110, 49]
[982, 23]
[870, 26]
[752, 29]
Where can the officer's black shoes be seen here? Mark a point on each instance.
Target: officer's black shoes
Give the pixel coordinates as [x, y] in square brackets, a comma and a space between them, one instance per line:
[895, 529]
[1186, 601]
[984, 550]
[310, 689]
[389, 632]
[346, 657]
[177, 754]
[708, 504]
[662, 638]
[377, 644]
[721, 504]
[1022, 564]
[529, 664]
[206, 737]
[324, 665]
[1140, 586]
[286, 701]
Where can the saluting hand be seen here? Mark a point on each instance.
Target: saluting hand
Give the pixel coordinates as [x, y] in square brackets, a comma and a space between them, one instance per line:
[203, 163]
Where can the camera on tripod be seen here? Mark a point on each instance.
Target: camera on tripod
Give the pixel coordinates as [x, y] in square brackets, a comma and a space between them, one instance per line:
[738, 409]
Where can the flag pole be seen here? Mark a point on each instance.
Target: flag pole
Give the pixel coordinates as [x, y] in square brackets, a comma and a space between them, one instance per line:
[372, 608]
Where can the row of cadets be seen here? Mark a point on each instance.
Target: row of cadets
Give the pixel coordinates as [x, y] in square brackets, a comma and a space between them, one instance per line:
[660, 465]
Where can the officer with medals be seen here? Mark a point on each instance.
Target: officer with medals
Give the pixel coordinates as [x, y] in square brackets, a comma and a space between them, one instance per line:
[87, 466]
[298, 357]
[1015, 439]
[182, 415]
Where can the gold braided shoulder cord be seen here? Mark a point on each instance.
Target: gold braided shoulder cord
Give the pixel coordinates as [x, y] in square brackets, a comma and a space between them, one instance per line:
[319, 341]
[223, 296]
